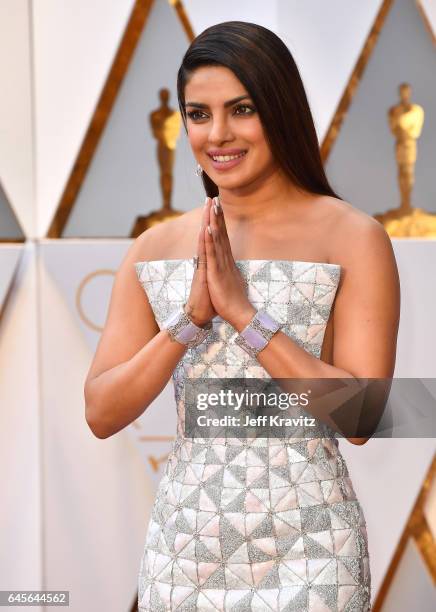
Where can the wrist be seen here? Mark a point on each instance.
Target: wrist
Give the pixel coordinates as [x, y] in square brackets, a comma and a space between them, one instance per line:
[181, 328]
[189, 310]
[258, 332]
[242, 318]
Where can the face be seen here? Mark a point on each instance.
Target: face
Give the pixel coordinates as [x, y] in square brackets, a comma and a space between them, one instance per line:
[218, 125]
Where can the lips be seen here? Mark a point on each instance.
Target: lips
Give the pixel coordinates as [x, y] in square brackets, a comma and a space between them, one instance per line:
[223, 166]
[215, 152]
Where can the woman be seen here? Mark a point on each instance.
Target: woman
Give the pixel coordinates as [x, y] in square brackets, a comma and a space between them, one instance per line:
[244, 288]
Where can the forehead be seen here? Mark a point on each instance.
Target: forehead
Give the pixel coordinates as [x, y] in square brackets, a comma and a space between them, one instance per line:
[213, 81]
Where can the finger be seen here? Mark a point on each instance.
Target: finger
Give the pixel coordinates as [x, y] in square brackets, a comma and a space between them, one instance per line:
[205, 217]
[201, 248]
[210, 248]
[201, 254]
[224, 240]
[213, 218]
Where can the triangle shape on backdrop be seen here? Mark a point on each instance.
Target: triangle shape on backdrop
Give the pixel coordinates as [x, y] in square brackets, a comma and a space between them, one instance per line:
[9, 262]
[120, 124]
[10, 228]
[400, 41]
[417, 533]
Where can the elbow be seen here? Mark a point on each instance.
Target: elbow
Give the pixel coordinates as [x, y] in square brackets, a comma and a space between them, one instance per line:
[95, 424]
[93, 416]
[96, 429]
[358, 441]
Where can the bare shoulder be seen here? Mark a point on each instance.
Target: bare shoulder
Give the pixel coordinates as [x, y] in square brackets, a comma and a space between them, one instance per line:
[369, 272]
[346, 216]
[355, 236]
[170, 239]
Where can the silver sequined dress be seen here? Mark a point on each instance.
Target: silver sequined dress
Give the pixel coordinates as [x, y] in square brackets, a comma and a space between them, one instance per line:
[262, 524]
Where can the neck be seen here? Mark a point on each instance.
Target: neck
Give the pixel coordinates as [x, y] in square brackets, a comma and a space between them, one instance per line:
[266, 203]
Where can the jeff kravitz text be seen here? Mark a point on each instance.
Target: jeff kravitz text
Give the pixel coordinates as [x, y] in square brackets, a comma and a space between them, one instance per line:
[259, 421]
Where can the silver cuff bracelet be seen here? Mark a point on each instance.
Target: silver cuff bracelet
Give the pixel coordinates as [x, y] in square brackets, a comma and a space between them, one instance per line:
[256, 335]
[181, 328]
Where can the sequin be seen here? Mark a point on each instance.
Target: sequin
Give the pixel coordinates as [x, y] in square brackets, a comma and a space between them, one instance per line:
[252, 524]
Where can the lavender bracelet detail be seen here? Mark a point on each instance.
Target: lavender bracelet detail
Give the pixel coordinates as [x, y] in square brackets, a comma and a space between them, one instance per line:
[181, 328]
[256, 335]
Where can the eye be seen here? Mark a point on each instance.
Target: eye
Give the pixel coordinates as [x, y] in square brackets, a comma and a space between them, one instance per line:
[192, 114]
[251, 109]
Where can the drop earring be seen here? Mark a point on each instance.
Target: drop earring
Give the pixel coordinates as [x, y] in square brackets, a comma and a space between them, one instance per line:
[198, 170]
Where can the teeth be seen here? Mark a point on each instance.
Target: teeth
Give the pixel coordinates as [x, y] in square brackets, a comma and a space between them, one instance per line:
[224, 158]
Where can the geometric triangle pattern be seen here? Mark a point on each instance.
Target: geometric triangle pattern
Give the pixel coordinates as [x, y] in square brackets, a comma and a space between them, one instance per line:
[253, 524]
[299, 294]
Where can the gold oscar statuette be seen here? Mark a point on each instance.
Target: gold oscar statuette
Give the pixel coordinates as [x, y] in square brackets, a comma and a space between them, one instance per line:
[165, 124]
[405, 121]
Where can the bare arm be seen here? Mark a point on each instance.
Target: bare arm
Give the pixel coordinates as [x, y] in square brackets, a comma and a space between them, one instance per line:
[367, 311]
[365, 315]
[134, 360]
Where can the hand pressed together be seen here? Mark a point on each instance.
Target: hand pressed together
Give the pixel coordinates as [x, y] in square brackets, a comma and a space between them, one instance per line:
[218, 287]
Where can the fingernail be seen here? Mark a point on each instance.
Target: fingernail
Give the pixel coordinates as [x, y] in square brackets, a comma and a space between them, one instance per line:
[209, 229]
[215, 208]
[205, 201]
[217, 201]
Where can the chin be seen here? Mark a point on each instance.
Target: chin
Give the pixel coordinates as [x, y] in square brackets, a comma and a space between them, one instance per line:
[238, 179]
[230, 182]
[237, 174]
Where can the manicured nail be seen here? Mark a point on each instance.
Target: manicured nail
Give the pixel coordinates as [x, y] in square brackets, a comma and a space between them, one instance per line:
[206, 201]
[217, 201]
[215, 208]
[209, 229]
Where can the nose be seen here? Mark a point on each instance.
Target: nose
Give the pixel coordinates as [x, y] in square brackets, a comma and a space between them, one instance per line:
[220, 130]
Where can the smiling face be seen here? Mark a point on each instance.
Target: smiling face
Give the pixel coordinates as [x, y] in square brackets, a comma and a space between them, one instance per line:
[222, 121]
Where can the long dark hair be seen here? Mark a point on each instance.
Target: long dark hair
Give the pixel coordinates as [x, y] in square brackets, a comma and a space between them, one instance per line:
[264, 65]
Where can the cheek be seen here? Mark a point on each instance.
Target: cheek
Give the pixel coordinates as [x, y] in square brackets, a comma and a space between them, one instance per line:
[264, 151]
[254, 136]
[196, 137]
[250, 132]
[260, 148]
[263, 145]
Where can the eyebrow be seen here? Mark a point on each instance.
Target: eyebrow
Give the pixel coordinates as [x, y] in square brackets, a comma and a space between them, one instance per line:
[226, 104]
